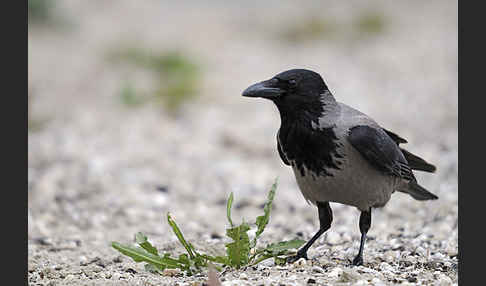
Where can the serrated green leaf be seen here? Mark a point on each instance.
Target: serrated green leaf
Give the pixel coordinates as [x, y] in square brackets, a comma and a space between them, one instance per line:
[228, 208]
[139, 254]
[277, 248]
[238, 251]
[262, 221]
[260, 258]
[180, 237]
[154, 269]
[184, 259]
[218, 259]
[142, 240]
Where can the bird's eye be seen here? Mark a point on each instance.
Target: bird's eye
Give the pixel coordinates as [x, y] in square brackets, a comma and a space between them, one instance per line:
[292, 82]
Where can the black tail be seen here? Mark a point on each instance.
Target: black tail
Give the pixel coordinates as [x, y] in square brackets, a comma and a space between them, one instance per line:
[418, 192]
[417, 163]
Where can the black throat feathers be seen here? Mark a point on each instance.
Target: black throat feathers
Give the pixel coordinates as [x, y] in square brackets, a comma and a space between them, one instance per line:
[306, 147]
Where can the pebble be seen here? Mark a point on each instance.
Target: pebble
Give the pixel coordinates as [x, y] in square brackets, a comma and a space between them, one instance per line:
[350, 275]
[377, 282]
[443, 280]
[333, 237]
[438, 256]
[171, 272]
[243, 276]
[391, 256]
[317, 269]
[311, 281]
[69, 277]
[83, 260]
[386, 267]
[451, 251]
[410, 259]
[346, 236]
[302, 262]
[267, 263]
[335, 272]
[420, 250]
[366, 269]
[116, 276]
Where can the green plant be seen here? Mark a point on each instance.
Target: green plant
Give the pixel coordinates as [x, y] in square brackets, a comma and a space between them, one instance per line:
[176, 76]
[241, 251]
[128, 95]
[370, 22]
[40, 11]
[310, 29]
[364, 24]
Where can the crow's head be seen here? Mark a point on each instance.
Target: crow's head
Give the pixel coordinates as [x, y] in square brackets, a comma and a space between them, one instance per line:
[295, 89]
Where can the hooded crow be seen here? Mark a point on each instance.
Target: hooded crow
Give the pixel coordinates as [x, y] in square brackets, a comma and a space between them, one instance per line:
[337, 153]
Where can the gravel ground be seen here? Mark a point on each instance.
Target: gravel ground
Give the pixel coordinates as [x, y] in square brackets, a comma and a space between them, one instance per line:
[100, 171]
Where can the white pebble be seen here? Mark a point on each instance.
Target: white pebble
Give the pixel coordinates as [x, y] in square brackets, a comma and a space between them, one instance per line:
[438, 256]
[386, 267]
[83, 260]
[243, 276]
[266, 263]
[300, 263]
[377, 282]
[391, 255]
[451, 250]
[116, 276]
[70, 277]
[317, 269]
[333, 237]
[443, 280]
[420, 250]
[335, 272]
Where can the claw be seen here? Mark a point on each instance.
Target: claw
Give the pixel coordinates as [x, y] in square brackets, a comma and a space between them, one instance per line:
[358, 260]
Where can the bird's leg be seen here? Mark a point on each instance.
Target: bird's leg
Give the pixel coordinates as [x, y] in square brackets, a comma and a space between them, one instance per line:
[325, 219]
[364, 226]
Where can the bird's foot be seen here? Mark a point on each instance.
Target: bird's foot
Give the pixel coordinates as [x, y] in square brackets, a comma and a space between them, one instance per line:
[358, 260]
[292, 259]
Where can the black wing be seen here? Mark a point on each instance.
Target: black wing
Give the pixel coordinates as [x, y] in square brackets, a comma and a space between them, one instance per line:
[414, 161]
[381, 151]
[395, 137]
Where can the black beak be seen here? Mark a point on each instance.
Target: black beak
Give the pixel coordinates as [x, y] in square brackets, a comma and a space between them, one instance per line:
[263, 89]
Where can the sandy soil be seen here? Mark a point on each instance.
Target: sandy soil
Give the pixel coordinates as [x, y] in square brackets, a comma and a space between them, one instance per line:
[100, 171]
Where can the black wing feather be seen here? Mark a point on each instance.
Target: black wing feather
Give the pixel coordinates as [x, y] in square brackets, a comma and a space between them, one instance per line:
[414, 161]
[380, 150]
[417, 163]
[395, 137]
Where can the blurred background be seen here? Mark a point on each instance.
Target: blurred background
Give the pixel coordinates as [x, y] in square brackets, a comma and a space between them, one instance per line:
[135, 110]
